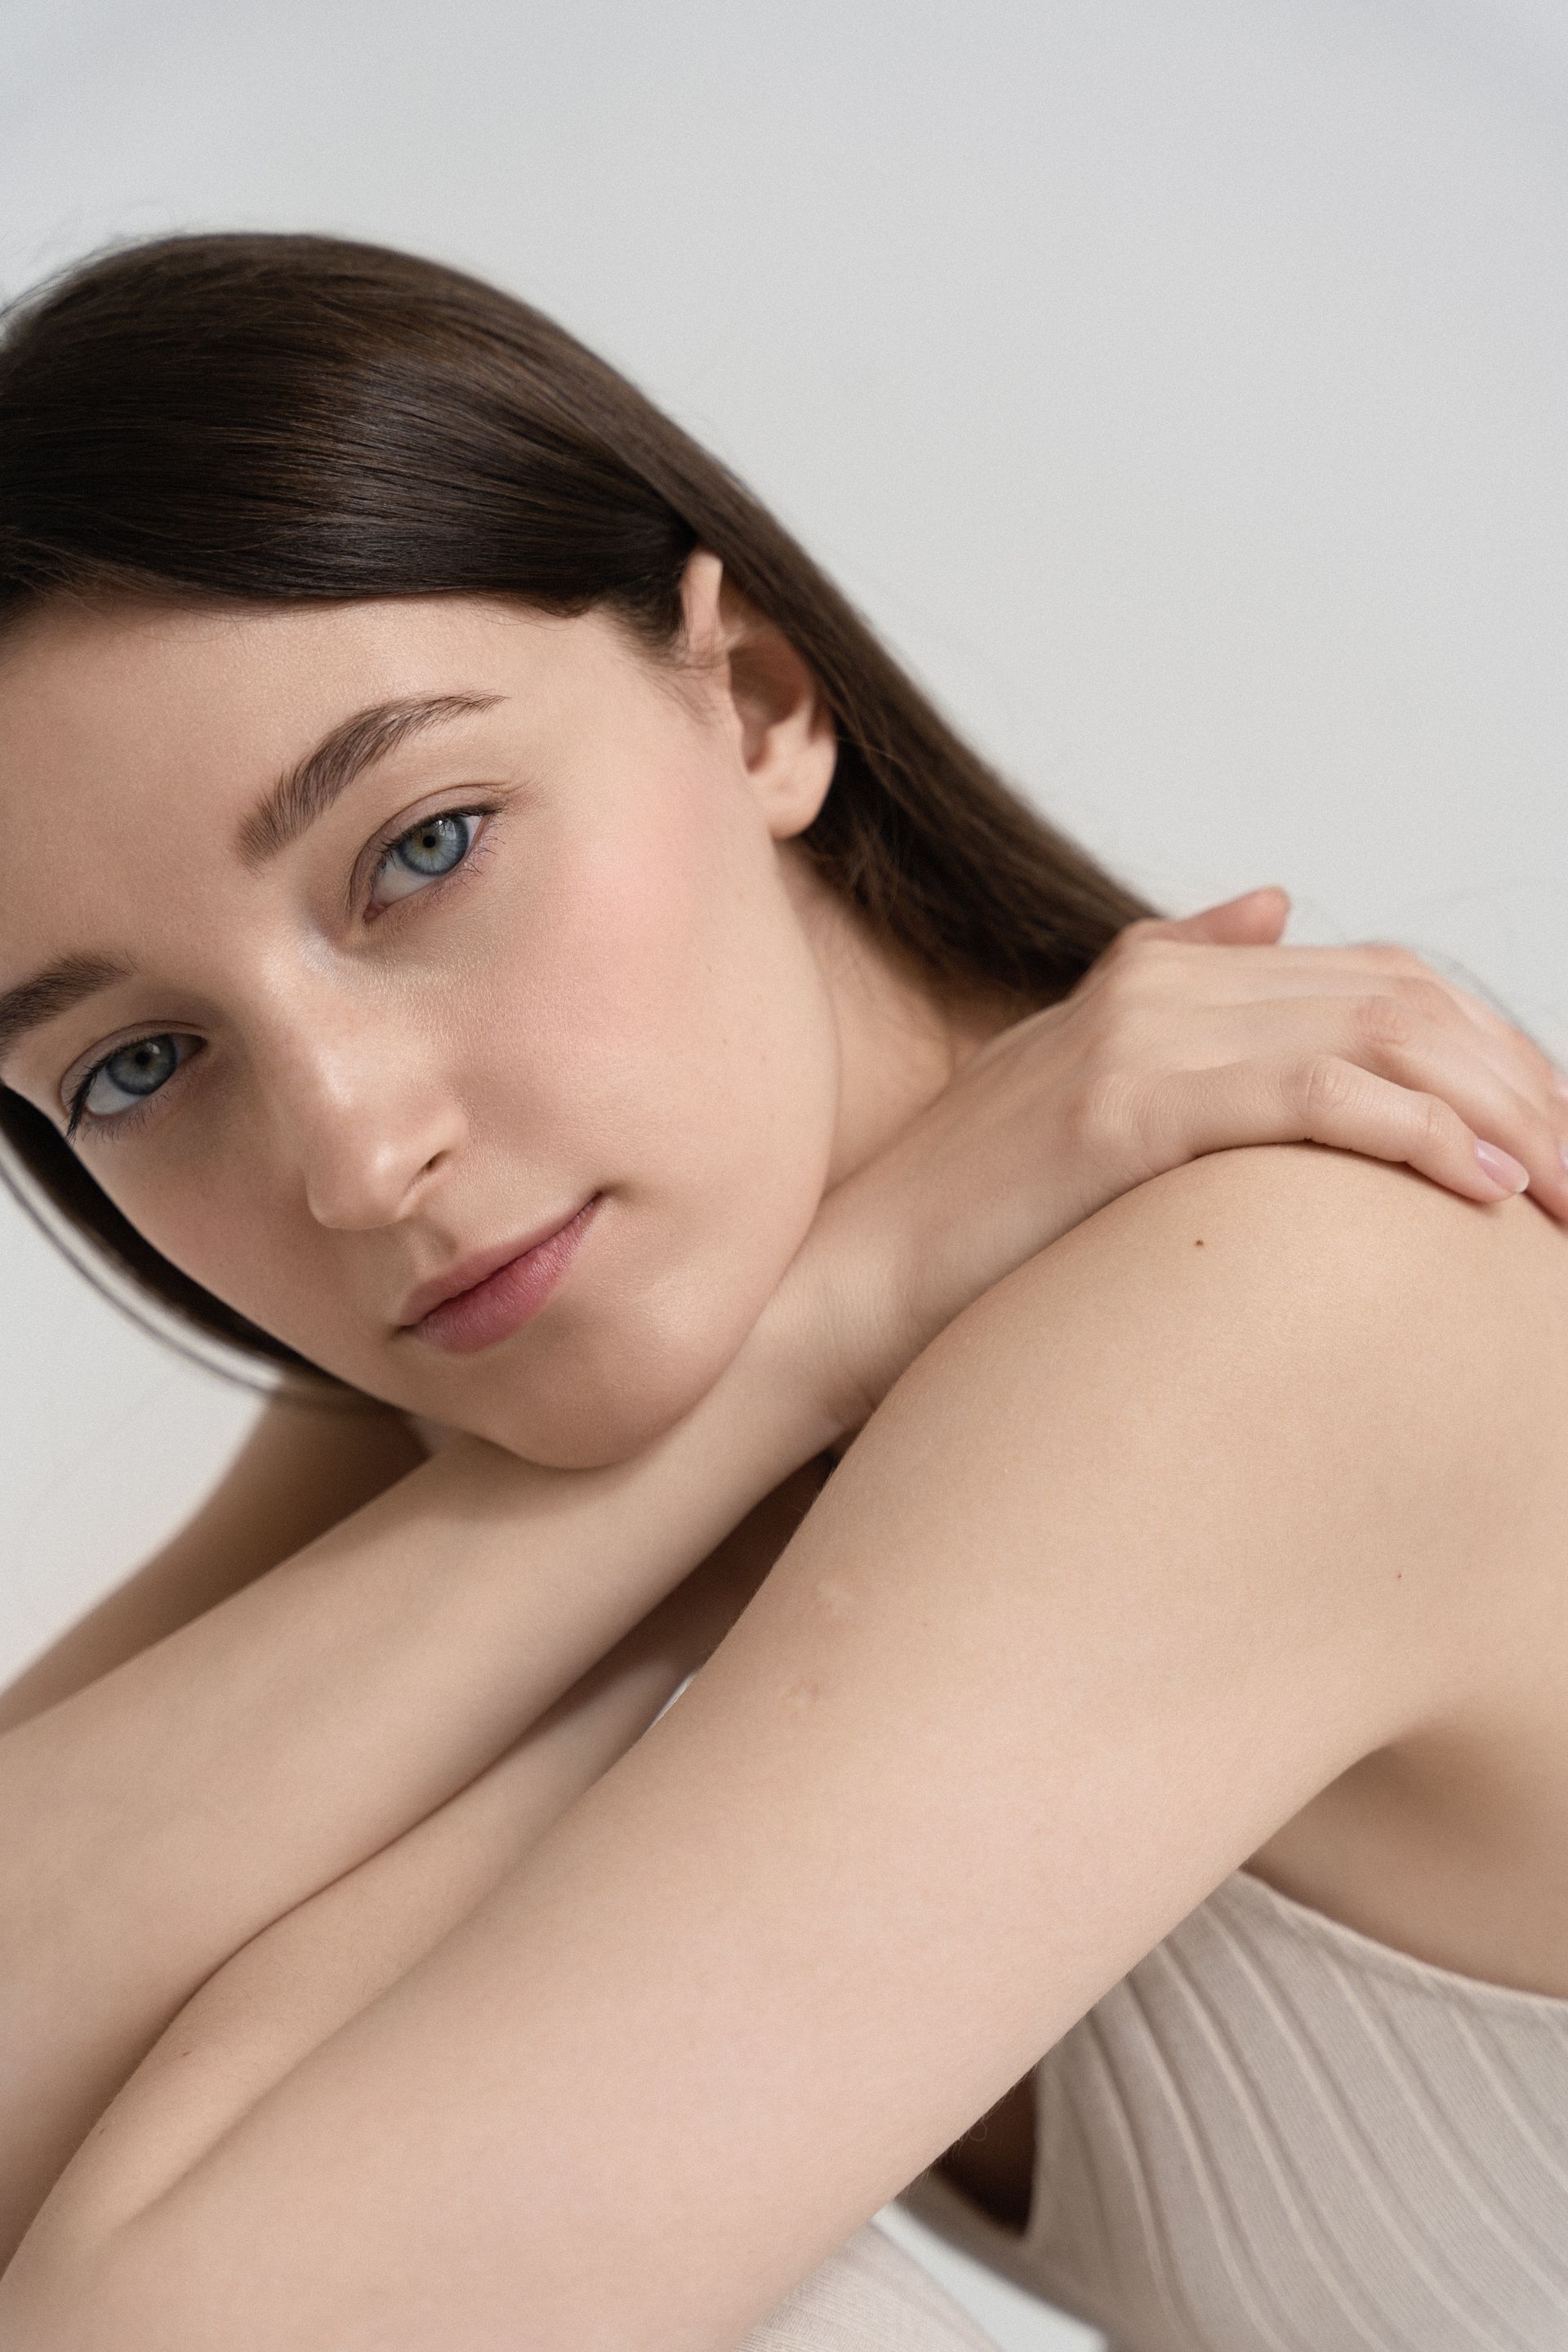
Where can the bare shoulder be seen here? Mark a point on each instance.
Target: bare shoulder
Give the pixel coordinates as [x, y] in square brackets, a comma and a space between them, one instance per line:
[1367, 1372]
[1372, 1258]
[1342, 1196]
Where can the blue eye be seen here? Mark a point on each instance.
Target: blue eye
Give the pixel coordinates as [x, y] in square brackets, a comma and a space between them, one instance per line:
[126, 1079]
[428, 852]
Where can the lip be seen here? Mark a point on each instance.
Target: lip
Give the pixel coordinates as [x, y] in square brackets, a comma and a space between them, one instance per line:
[490, 1295]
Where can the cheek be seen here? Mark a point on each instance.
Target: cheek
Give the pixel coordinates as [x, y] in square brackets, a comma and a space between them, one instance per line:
[690, 996]
[217, 1226]
[669, 1037]
[207, 1190]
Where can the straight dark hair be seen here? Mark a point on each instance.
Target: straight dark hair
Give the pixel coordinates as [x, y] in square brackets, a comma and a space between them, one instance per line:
[274, 419]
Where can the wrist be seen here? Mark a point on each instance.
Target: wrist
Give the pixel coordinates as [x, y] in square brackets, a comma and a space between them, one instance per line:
[784, 1388]
[838, 1328]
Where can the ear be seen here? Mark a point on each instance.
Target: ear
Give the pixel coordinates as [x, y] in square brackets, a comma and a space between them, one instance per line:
[776, 711]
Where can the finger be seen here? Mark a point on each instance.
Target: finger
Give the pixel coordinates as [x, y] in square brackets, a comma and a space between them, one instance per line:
[1441, 1057]
[1397, 967]
[1368, 973]
[1532, 1070]
[1256, 919]
[1331, 1101]
[1380, 976]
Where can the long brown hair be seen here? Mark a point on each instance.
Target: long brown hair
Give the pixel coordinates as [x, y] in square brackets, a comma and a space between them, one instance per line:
[257, 419]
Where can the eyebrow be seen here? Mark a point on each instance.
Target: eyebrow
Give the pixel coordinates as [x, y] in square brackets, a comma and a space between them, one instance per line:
[308, 790]
[55, 990]
[301, 794]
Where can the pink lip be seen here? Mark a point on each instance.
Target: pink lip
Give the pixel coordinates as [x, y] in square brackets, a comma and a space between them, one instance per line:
[504, 1290]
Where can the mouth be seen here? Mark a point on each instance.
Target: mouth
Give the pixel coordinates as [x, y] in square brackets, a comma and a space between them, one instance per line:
[488, 1297]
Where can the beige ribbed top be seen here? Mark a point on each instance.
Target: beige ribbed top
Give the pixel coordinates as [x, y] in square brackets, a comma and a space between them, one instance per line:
[1278, 2136]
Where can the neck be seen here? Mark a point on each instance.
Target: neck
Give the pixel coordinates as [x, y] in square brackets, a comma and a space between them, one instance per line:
[900, 1041]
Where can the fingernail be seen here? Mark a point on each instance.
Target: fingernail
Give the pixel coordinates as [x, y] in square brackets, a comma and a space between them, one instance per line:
[1503, 1168]
[1559, 1082]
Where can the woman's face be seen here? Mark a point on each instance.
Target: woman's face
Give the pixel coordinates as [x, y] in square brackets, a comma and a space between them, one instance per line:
[548, 946]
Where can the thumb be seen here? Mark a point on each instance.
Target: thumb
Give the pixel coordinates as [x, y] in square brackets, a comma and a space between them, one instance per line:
[1254, 920]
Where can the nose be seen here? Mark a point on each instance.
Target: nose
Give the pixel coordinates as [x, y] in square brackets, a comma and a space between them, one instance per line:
[369, 1118]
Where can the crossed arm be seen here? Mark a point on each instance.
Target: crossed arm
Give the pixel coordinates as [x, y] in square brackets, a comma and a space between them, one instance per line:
[1150, 1545]
[158, 1818]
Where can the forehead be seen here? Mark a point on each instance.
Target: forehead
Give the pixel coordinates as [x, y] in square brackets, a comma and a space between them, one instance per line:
[107, 700]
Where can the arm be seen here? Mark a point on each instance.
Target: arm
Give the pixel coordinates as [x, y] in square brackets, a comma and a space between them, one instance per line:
[301, 1470]
[1151, 1544]
[297, 1982]
[155, 1820]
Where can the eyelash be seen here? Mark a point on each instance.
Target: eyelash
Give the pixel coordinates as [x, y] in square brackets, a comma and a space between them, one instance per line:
[125, 1122]
[382, 850]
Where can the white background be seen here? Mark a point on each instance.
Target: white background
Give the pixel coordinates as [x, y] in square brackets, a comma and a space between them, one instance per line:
[1180, 387]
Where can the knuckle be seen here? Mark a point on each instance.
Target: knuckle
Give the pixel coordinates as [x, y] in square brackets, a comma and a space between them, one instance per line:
[1426, 996]
[1328, 1088]
[1142, 974]
[1385, 1021]
[1436, 1123]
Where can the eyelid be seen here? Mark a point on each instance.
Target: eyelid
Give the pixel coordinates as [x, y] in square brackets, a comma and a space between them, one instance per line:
[72, 1096]
[376, 850]
[81, 1074]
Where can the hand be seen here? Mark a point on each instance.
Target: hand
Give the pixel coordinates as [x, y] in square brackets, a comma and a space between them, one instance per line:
[1185, 1037]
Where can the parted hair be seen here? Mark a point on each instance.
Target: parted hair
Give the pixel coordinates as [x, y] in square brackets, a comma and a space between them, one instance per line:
[260, 419]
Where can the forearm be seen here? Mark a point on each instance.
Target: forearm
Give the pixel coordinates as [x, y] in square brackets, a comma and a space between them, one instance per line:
[301, 1470]
[303, 1978]
[156, 1820]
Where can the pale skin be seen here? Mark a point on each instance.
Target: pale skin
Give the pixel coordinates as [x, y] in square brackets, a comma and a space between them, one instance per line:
[1212, 1520]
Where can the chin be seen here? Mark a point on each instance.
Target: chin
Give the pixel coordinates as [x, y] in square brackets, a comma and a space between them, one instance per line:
[566, 1443]
[593, 1417]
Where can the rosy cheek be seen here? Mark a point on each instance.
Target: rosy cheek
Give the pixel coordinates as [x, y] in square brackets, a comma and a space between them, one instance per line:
[216, 1232]
[681, 902]
[626, 942]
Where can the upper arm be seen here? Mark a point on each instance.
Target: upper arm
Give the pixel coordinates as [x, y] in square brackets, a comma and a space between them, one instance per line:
[1149, 1545]
[301, 1469]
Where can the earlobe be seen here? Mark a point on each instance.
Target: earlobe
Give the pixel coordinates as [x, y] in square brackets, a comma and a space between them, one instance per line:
[789, 740]
[801, 780]
[784, 732]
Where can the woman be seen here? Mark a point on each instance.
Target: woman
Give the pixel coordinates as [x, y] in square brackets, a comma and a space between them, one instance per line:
[748, 1085]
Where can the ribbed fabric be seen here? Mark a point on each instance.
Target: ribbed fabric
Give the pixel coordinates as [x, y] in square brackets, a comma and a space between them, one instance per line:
[869, 2297]
[1278, 2136]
